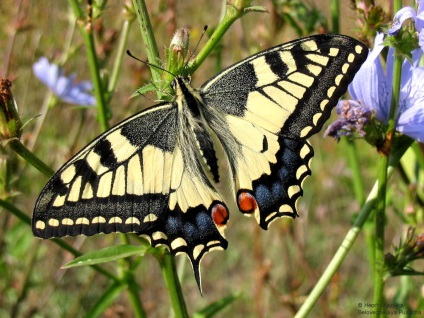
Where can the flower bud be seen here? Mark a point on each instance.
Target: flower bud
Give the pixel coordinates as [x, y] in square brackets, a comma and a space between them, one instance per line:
[10, 123]
[177, 52]
[409, 249]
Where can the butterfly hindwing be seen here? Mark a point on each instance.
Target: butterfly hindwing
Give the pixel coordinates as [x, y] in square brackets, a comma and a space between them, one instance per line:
[266, 106]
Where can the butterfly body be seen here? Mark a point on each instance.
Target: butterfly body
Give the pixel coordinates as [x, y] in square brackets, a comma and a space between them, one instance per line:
[161, 172]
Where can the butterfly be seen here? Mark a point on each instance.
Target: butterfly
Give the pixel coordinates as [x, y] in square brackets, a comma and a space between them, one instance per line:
[172, 173]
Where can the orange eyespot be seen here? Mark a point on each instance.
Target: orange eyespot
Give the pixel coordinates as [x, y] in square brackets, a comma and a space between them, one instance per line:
[220, 214]
[246, 202]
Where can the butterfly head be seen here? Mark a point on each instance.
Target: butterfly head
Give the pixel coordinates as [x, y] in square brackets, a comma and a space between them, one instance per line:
[181, 85]
[180, 80]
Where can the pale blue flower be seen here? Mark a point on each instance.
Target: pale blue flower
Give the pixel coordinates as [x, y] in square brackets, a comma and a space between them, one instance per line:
[400, 17]
[65, 88]
[372, 89]
[409, 13]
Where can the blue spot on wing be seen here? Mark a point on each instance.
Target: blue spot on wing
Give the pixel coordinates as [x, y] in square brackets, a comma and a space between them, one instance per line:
[263, 196]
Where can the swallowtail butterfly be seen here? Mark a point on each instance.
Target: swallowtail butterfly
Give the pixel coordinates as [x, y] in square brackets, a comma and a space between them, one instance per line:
[173, 172]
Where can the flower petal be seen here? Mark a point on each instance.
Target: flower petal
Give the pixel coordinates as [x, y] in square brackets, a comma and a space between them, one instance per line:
[420, 6]
[416, 56]
[369, 86]
[419, 19]
[411, 119]
[421, 39]
[79, 95]
[407, 68]
[66, 88]
[63, 85]
[411, 123]
[400, 17]
[46, 72]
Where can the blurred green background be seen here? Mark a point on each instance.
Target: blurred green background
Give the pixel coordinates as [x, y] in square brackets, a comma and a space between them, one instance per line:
[274, 270]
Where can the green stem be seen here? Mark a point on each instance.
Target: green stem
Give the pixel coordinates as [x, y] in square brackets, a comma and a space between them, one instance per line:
[335, 14]
[231, 15]
[148, 36]
[354, 164]
[15, 211]
[397, 5]
[26, 154]
[358, 189]
[350, 237]
[380, 221]
[397, 72]
[86, 28]
[134, 297]
[167, 264]
[39, 121]
[380, 213]
[122, 44]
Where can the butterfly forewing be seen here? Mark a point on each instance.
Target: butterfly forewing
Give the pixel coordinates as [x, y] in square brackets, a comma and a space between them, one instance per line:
[157, 173]
[263, 109]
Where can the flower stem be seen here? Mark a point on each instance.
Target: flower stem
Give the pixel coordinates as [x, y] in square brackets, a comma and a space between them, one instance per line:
[149, 40]
[397, 72]
[351, 236]
[335, 14]
[232, 13]
[353, 159]
[85, 25]
[167, 264]
[380, 212]
[32, 159]
[358, 188]
[380, 220]
[134, 297]
[123, 39]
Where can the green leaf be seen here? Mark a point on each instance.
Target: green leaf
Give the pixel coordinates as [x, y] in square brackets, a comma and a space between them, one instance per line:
[143, 90]
[108, 254]
[214, 308]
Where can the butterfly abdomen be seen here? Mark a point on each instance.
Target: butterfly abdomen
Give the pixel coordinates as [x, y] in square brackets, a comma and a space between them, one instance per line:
[194, 129]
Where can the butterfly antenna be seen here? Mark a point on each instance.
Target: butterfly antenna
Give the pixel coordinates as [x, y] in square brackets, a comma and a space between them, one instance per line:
[197, 45]
[149, 64]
